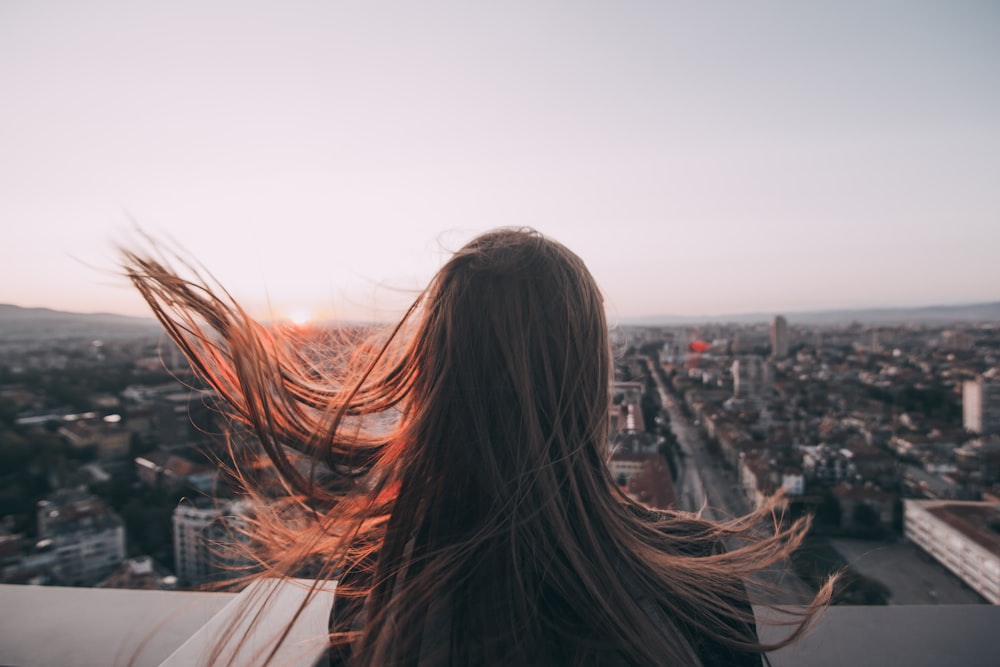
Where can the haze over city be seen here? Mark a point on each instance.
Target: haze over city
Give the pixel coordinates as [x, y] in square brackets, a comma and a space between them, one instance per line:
[324, 157]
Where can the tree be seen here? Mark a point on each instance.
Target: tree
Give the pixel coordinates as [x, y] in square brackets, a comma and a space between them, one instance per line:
[8, 411]
[864, 516]
[828, 512]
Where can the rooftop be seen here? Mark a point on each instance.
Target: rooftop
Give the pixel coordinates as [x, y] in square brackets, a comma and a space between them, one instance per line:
[978, 521]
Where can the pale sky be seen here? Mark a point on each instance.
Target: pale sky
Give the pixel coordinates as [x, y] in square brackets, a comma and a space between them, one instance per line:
[702, 157]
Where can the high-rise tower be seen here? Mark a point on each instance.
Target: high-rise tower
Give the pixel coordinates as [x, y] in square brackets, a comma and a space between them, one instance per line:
[779, 338]
[981, 406]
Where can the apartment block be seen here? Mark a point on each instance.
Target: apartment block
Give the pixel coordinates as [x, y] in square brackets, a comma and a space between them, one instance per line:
[962, 536]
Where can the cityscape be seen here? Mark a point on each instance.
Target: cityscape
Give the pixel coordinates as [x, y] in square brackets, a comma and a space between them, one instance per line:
[887, 435]
[807, 189]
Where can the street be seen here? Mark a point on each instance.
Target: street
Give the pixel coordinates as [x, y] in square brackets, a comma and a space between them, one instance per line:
[703, 484]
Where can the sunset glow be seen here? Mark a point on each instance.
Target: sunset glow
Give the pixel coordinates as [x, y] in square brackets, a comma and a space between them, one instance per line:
[300, 317]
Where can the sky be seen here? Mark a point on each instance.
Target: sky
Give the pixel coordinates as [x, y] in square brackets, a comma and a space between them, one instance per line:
[703, 158]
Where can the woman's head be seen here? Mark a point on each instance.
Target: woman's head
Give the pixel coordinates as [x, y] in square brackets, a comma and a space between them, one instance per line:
[512, 364]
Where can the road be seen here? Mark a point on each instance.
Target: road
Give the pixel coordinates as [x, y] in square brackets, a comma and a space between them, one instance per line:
[703, 484]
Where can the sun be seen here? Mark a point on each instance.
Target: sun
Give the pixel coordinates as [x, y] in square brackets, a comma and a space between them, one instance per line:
[300, 316]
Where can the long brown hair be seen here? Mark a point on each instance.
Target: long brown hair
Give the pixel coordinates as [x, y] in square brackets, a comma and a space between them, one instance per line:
[450, 472]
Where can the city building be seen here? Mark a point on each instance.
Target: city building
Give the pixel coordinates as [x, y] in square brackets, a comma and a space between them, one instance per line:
[208, 542]
[760, 477]
[829, 465]
[630, 393]
[169, 470]
[652, 485]
[626, 464]
[980, 458]
[981, 406]
[627, 417]
[108, 437]
[751, 378]
[140, 573]
[957, 341]
[779, 337]
[962, 536]
[85, 535]
[24, 561]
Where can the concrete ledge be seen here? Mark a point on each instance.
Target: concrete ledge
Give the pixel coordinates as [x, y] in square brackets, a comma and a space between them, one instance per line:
[44, 626]
[914, 636]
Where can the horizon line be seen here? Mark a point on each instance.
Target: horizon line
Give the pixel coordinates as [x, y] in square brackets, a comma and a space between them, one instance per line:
[649, 320]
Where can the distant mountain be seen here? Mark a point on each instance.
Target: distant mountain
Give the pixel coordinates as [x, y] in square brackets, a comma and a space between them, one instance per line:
[979, 312]
[17, 323]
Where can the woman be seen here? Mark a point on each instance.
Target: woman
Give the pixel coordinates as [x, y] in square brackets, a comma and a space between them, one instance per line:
[482, 527]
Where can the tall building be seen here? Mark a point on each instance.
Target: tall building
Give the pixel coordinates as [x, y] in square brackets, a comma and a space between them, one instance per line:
[779, 338]
[208, 541]
[981, 406]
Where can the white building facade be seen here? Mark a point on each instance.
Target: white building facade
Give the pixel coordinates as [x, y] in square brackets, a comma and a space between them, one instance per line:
[981, 406]
[208, 543]
[959, 536]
